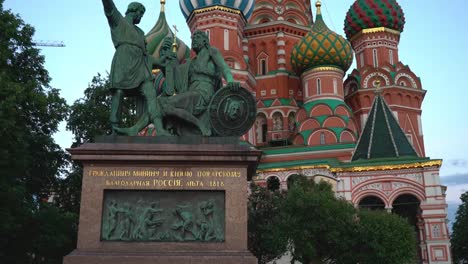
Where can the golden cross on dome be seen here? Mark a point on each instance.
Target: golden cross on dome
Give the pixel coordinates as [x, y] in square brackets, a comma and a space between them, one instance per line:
[174, 44]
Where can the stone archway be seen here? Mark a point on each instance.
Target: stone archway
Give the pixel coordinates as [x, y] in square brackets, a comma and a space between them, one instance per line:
[273, 183]
[371, 202]
[408, 207]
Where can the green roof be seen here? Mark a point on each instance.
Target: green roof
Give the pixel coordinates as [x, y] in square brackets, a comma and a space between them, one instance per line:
[295, 163]
[296, 149]
[382, 136]
[283, 101]
[268, 102]
[332, 103]
[384, 161]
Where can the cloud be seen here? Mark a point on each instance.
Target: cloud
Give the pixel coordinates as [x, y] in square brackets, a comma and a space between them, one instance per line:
[460, 163]
[455, 179]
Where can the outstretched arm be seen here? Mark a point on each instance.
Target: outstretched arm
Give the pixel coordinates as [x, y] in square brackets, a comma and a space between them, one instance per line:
[225, 70]
[108, 6]
[111, 12]
[221, 64]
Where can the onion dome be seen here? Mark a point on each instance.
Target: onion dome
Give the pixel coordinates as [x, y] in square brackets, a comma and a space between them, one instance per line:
[159, 32]
[245, 6]
[321, 47]
[365, 14]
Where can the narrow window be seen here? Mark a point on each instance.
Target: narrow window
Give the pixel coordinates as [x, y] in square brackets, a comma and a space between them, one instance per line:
[335, 86]
[322, 138]
[319, 86]
[376, 60]
[264, 132]
[263, 67]
[208, 34]
[390, 54]
[362, 59]
[226, 39]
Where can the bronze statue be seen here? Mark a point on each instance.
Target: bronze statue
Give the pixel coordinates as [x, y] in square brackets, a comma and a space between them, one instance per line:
[184, 105]
[131, 66]
[196, 83]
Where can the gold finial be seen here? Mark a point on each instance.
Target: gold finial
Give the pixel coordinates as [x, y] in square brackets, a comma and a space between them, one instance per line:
[378, 90]
[163, 2]
[318, 4]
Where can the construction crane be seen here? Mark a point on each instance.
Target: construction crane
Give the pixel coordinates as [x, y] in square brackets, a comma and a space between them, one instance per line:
[41, 43]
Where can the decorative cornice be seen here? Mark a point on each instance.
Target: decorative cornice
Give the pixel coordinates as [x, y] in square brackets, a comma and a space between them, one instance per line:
[324, 68]
[216, 8]
[413, 165]
[432, 163]
[295, 168]
[374, 30]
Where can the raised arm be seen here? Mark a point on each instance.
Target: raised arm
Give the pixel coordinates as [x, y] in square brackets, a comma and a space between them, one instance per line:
[109, 6]
[111, 12]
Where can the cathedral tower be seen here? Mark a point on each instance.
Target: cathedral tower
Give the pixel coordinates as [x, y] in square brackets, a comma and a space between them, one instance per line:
[321, 58]
[374, 28]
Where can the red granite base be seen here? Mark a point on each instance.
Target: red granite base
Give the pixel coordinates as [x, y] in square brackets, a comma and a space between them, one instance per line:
[180, 257]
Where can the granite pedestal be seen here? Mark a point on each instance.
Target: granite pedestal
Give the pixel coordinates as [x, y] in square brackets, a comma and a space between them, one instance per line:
[170, 166]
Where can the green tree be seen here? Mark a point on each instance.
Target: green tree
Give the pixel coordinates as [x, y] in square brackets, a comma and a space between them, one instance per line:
[384, 238]
[316, 227]
[319, 227]
[459, 238]
[89, 116]
[31, 163]
[263, 210]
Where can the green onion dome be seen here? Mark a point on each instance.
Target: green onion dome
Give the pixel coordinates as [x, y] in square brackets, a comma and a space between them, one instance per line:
[159, 32]
[365, 14]
[321, 47]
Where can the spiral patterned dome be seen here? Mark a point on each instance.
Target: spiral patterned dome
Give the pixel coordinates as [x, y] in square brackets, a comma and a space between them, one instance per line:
[158, 33]
[365, 14]
[321, 47]
[245, 6]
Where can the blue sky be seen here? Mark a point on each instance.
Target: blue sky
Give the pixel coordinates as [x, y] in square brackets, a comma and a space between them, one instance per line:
[433, 44]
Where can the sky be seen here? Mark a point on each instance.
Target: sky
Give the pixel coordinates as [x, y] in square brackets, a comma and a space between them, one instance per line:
[433, 44]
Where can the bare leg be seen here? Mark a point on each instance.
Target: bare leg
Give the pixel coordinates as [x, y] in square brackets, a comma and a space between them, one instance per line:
[154, 110]
[116, 105]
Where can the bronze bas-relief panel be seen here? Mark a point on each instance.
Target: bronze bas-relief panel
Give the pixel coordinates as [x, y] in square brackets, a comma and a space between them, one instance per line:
[163, 216]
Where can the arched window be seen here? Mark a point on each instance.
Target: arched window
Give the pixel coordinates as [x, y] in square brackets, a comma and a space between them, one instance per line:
[322, 138]
[273, 183]
[376, 59]
[261, 128]
[277, 121]
[319, 86]
[262, 67]
[390, 54]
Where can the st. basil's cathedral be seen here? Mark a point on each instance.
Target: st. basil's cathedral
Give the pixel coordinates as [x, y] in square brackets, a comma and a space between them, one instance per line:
[361, 132]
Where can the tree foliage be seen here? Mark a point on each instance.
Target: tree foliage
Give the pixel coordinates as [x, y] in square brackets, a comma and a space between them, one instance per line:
[459, 238]
[31, 163]
[89, 116]
[316, 227]
[263, 240]
[385, 238]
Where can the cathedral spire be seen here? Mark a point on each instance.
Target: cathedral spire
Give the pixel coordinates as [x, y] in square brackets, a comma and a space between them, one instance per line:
[382, 136]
